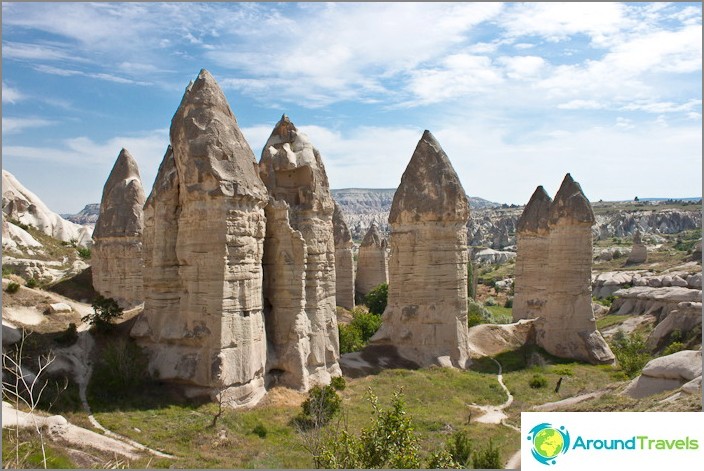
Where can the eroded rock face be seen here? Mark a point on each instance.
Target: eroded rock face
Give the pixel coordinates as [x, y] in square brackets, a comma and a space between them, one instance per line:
[372, 262]
[203, 321]
[117, 239]
[639, 252]
[344, 261]
[300, 264]
[426, 315]
[686, 317]
[567, 327]
[532, 249]
[666, 373]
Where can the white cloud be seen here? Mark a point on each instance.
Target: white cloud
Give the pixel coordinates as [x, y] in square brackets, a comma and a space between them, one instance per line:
[522, 67]
[582, 105]
[33, 52]
[11, 94]
[47, 69]
[12, 125]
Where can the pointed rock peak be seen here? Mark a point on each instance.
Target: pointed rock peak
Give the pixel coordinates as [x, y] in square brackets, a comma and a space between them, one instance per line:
[204, 91]
[536, 213]
[125, 168]
[284, 129]
[339, 226]
[430, 189]
[571, 203]
[372, 237]
[166, 178]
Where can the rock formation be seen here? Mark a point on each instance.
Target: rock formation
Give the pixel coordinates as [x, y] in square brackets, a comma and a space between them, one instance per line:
[426, 314]
[639, 253]
[530, 289]
[299, 266]
[344, 261]
[658, 301]
[683, 320]
[567, 327]
[116, 258]
[666, 373]
[203, 321]
[21, 205]
[372, 263]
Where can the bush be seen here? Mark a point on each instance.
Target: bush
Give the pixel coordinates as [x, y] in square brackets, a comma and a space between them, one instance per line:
[69, 336]
[477, 314]
[32, 283]
[459, 447]
[490, 301]
[260, 431]
[630, 351]
[339, 383]
[377, 298]
[487, 458]
[84, 252]
[104, 311]
[470, 280]
[12, 287]
[7, 271]
[354, 337]
[320, 407]
[537, 381]
[508, 303]
[121, 370]
[674, 347]
[350, 339]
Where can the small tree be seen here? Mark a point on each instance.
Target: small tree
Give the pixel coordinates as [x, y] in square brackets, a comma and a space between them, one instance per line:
[105, 310]
[377, 298]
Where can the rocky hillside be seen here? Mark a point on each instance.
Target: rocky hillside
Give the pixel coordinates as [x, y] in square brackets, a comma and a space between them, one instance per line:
[87, 216]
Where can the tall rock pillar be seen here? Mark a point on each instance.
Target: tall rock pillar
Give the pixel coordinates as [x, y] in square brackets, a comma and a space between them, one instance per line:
[532, 241]
[567, 327]
[372, 264]
[117, 250]
[299, 268]
[203, 322]
[426, 314]
[344, 261]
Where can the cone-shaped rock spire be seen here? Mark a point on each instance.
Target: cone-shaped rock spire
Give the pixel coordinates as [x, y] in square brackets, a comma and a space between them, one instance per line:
[372, 262]
[570, 205]
[535, 215]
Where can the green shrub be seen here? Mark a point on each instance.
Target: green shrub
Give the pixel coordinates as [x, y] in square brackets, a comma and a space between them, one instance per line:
[630, 351]
[339, 383]
[32, 283]
[7, 271]
[12, 287]
[563, 370]
[509, 303]
[121, 370]
[487, 458]
[537, 381]
[442, 459]
[354, 337]
[350, 338]
[470, 280]
[84, 252]
[477, 314]
[674, 347]
[105, 310]
[318, 409]
[260, 431]
[377, 298]
[490, 301]
[459, 447]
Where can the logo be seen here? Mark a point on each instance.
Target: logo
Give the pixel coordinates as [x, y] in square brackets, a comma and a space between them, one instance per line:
[548, 442]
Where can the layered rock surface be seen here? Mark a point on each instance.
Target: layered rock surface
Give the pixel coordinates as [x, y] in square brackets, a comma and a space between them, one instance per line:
[639, 252]
[203, 321]
[567, 327]
[426, 314]
[299, 269]
[372, 262]
[116, 258]
[667, 373]
[533, 241]
[344, 261]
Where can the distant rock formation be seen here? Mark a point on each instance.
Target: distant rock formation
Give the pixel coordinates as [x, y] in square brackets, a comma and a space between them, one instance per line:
[426, 315]
[86, 216]
[372, 262]
[299, 270]
[530, 288]
[344, 261]
[639, 252]
[21, 205]
[116, 258]
[203, 322]
[567, 327]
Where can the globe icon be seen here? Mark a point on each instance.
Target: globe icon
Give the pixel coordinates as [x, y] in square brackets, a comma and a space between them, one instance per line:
[548, 443]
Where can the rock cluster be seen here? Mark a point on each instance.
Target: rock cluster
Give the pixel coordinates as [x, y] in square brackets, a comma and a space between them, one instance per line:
[299, 267]
[566, 327]
[530, 289]
[344, 261]
[668, 373]
[116, 258]
[372, 262]
[426, 314]
[639, 252]
[203, 321]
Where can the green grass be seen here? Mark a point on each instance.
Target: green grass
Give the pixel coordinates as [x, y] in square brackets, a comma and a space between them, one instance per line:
[609, 320]
[502, 315]
[28, 454]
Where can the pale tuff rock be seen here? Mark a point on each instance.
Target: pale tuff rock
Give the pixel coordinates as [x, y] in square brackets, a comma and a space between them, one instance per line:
[686, 317]
[492, 339]
[426, 315]
[300, 262]
[659, 301]
[533, 240]
[567, 327]
[20, 204]
[372, 262]
[639, 252]
[666, 373]
[117, 239]
[203, 321]
[492, 257]
[344, 261]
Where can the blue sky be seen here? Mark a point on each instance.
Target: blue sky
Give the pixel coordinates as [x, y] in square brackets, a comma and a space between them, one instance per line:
[517, 94]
